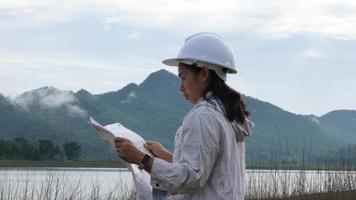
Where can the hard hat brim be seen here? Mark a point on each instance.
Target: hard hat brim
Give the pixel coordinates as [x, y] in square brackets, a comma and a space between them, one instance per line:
[176, 61]
[171, 62]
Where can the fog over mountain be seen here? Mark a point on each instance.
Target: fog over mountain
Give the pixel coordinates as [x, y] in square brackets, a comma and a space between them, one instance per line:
[155, 109]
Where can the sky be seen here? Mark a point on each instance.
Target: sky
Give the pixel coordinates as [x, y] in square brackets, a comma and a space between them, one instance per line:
[298, 55]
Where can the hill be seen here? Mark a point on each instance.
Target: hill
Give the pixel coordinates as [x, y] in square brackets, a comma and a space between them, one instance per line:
[155, 109]
[340, 124]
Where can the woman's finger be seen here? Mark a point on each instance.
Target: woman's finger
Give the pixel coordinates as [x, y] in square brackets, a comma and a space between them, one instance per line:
[119, 145]
[119, 139]
[148, 148]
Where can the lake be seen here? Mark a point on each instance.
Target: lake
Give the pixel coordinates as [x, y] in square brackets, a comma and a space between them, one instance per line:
[111, 183]
[64, 183]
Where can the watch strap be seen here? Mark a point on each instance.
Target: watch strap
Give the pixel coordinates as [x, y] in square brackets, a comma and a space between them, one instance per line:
[144, 162]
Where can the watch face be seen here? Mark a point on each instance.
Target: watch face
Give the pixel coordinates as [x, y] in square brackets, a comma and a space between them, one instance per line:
[145, 160]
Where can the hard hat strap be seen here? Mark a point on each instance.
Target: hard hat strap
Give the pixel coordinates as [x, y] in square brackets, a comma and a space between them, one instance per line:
[218, 70]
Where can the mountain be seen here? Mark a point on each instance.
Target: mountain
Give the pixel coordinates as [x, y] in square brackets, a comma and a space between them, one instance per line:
[152, 109]
[342, 158]
[62, 111]
[280, 136]
[16, 122]
[340, 124]
[155, 109]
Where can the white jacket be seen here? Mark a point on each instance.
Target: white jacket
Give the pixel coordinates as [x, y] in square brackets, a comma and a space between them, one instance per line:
[208, 160]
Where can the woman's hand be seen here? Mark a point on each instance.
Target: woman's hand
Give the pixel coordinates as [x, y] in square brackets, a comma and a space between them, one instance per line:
[127, 151]
[158, 150]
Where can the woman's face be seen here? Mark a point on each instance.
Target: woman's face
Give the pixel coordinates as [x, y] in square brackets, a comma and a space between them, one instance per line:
[192, 85]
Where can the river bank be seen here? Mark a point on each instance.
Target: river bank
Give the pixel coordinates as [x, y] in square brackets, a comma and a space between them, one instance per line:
[339, 195]
[73, 164]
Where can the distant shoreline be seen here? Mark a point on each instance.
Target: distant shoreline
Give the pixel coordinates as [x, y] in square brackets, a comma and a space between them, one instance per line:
[120, 164]
[74, 164]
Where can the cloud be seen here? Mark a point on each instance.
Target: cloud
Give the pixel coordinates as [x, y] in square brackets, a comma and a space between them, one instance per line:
[311, 53]
[272, 19]
[21, 73]
[75, 110]
[134, 35]
[56, 99]
[50, 98]
[312, 18]
[43, 62]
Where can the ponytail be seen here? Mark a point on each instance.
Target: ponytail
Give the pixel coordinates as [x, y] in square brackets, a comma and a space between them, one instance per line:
[231, 100]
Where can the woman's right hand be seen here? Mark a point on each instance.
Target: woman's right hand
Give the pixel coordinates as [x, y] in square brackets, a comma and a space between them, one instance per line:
[158, 150]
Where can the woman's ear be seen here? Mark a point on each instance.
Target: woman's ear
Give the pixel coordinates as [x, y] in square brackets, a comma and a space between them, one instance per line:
[205, 74]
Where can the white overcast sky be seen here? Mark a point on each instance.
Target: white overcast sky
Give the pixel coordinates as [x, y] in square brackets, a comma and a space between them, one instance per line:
[299, 55]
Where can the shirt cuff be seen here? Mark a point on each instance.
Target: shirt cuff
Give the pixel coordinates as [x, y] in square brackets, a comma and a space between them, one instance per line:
[157, 174]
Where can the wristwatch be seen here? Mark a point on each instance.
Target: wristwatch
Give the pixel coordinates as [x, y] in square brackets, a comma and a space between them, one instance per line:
[144, 162]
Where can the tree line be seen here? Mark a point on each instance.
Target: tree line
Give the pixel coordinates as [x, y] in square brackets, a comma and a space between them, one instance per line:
[343, 158]
[23, 149]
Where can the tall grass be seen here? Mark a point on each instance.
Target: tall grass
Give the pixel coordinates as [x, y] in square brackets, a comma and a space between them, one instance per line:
[59, 187]
[261, 185]
[301, 184]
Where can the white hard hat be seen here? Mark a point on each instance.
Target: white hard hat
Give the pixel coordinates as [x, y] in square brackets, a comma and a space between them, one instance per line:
[206, 49]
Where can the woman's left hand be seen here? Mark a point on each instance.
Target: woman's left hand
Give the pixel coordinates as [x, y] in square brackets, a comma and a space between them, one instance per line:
[127, 151]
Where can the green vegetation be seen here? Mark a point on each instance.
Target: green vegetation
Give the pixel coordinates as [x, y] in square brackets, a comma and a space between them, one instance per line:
[72, 150]
[340, 124]
[23, 149]
[343, 158]
[155, 109]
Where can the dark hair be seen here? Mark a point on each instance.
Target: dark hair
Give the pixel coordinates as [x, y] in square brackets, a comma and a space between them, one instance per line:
[231, 100]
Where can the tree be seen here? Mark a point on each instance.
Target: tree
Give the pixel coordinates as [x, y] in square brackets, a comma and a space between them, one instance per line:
[72, 150]
[22, 146]
[48, 150]
[32, 151]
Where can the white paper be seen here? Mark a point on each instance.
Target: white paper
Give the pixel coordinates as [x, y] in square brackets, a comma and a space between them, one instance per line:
[141, 177]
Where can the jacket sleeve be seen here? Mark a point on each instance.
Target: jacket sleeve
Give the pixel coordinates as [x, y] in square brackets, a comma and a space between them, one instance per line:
[199, 147]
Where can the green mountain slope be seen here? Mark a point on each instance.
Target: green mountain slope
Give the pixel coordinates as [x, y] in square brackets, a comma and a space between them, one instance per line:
[155, 109]
[340, 124]
[16, 122]
[282, 136]
[62, 111]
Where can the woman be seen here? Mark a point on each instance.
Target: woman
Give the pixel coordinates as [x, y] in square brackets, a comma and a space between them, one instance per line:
[208, 161]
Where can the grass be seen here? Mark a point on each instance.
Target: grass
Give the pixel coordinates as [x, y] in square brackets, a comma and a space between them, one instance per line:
[58, 187]
[299, 184]
[344, 195]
